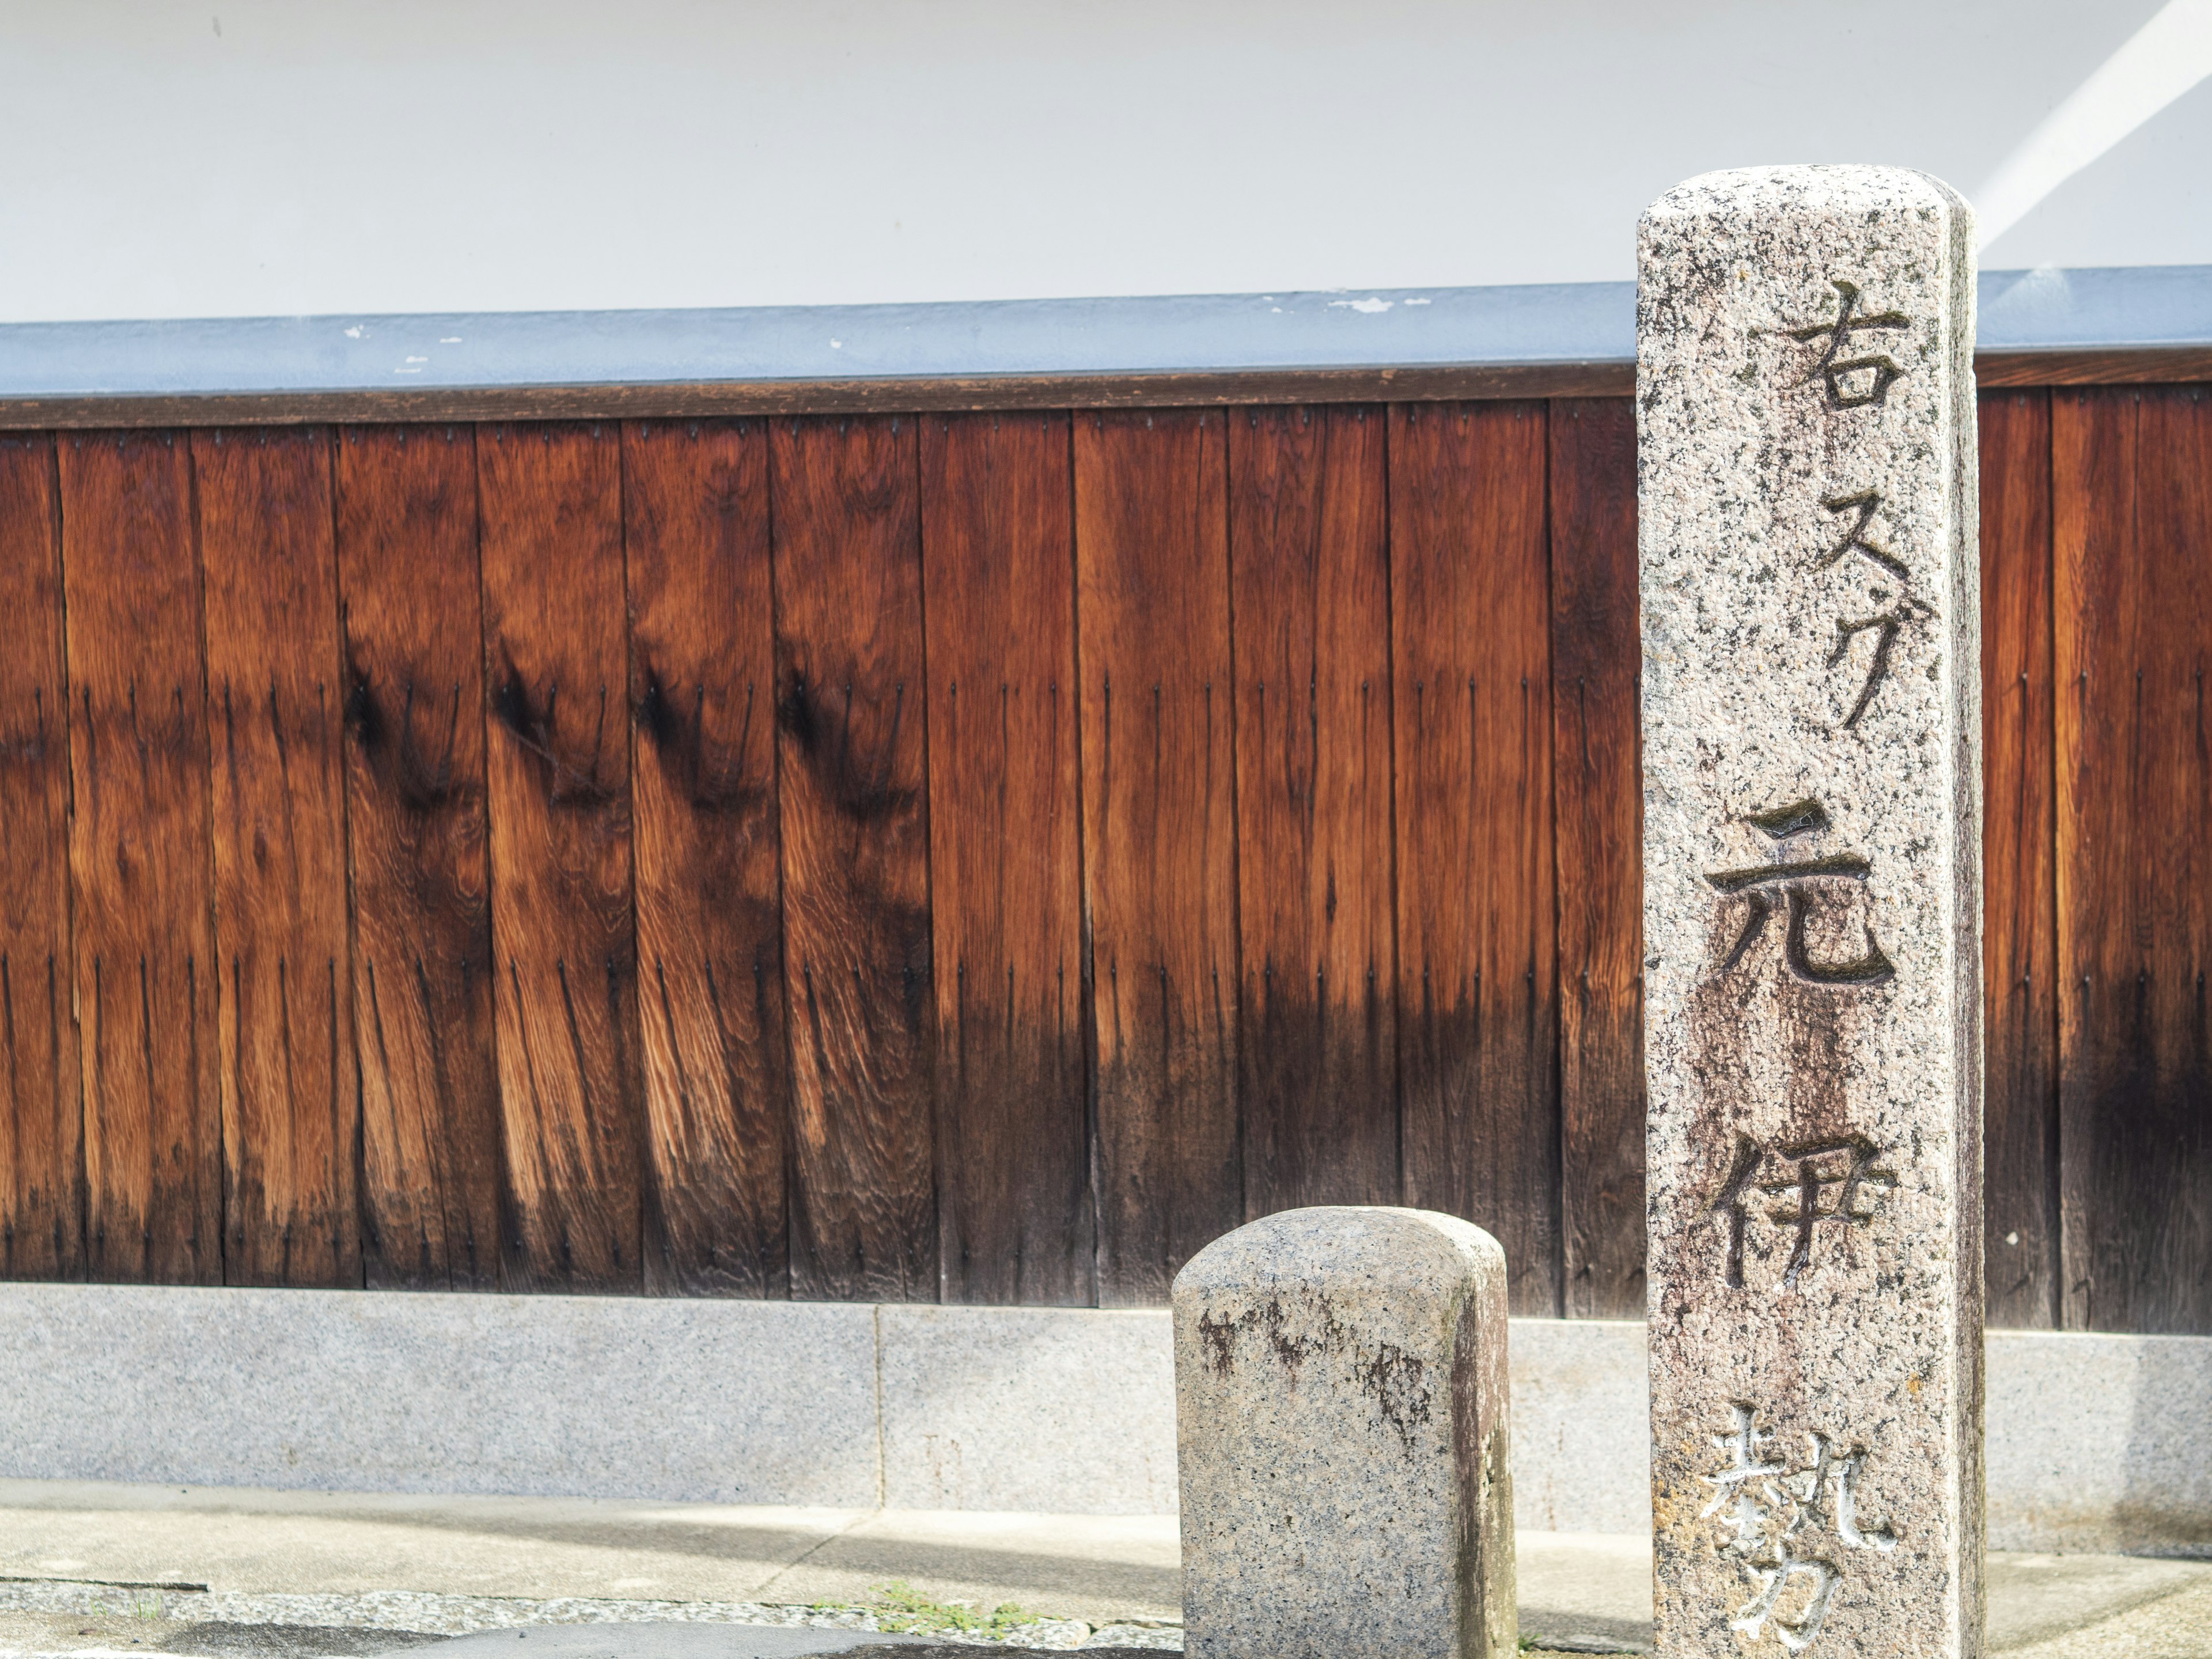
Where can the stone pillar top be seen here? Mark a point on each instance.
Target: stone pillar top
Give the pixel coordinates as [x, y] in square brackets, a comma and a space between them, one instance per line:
[1414, 1250]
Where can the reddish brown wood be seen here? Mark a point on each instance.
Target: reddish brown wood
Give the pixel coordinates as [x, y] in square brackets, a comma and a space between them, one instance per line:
[1152, 537]
[850, 714]
[2020, 895]
[1016, 1221]
[283, 998]
[565, 984]
[139, 862]
[413, 641]
[1597, 788]
[1317, 1090]
[710, 919]
[2131, 495]
[1477, 931]
[41, 1118]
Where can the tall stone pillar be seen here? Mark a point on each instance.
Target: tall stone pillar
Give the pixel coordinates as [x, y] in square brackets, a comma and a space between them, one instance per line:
[1812, 730]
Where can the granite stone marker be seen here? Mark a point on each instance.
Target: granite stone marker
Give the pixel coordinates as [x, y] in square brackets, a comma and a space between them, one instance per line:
[1341, 1423]
[1812, 724]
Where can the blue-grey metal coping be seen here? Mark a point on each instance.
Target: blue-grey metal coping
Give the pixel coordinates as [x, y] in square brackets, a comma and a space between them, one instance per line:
[1538, 339]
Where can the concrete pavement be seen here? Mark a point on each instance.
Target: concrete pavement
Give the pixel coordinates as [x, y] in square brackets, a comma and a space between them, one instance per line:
[102, 1568]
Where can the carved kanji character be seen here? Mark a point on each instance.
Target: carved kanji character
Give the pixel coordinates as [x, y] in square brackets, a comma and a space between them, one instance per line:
[1846, 388]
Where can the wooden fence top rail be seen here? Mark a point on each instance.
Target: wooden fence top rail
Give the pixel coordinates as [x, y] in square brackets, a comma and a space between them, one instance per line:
[2037, 328]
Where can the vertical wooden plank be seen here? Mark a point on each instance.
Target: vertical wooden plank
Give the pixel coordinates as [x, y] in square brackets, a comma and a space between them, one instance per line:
[563, 950]
[2020, 962]
[1477, 933]
[850, 714]
[2131, 497]
[415, 838]
[1015, 1221]
[1151, 537]
[709, 913]
[1317, 1090]
[41, 1120]
[283, 998]
[139, 863]
[1598, 790]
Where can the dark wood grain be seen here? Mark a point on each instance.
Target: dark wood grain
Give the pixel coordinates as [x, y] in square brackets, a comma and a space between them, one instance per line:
[2093, 366]
[1470, 602]
[709, 916]
[563, 950]
[1317, 1090]
[1151, 536]
[1598, 799]
[2132, 499]
[851, 708]
[2019, 929]
[41, 1117]
[283, 996]
[139, 860]
[413, 640]
[1016, 1221]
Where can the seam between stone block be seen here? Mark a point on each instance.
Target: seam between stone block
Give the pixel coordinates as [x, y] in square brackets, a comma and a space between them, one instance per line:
[883, 1477]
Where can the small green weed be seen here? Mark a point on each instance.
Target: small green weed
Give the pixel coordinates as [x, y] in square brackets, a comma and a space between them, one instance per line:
[903, 1609]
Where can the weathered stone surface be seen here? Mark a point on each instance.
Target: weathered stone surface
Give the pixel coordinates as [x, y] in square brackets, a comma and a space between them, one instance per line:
[1811, 897]
[1340, 1422]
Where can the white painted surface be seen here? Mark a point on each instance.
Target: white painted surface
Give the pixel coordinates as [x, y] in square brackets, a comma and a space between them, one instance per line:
[2163, 61]
[406, 155]
[2095, 1442]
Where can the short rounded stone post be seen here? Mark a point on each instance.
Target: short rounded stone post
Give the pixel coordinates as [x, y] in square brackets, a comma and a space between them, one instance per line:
[1340, 1421]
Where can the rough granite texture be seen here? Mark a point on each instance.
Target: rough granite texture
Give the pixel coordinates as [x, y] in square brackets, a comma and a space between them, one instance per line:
[1340, 1420]
[1807, 525]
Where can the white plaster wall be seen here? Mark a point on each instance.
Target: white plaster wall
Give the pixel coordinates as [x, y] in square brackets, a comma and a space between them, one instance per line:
[250, 157]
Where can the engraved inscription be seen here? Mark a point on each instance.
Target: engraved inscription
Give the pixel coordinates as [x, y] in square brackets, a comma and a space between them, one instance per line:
[1885, 625]
[1858, 539]
[1784, 1526]
[1852, 382]
[1798, 885]
[1805, 1184]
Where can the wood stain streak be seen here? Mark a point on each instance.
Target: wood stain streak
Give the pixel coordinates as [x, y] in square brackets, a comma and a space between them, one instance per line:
[558, 766]
[1597, 788]
[853, 768]
[1016, 1219]
[1477, 927]
[703, 788]
[41, 1117]
[412, 622]
[2020, 924]
[273, 661]
[1154, 612]
[139, 859]
[1310, 599]
[2131, 494]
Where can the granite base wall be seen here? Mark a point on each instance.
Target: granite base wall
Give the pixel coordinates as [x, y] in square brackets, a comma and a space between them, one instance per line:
[2095, 1442]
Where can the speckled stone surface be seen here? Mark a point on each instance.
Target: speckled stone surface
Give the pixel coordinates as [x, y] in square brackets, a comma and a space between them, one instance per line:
[1340, 1421]
[1806, 522]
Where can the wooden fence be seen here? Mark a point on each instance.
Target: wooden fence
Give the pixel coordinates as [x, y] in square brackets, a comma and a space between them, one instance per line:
[985, 856]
